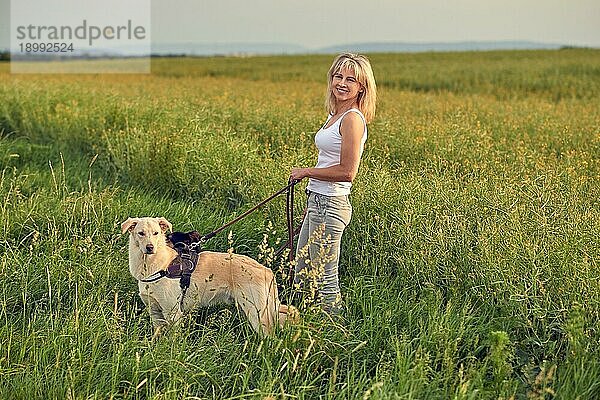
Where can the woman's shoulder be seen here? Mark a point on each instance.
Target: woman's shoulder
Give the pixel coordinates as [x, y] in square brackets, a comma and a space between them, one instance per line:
[354, 116]
[353, 121]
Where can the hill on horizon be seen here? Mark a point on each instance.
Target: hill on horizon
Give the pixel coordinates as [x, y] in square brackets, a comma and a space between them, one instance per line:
[204, 49]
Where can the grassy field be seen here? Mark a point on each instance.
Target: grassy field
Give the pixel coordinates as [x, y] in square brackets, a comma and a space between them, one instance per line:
[470, 269]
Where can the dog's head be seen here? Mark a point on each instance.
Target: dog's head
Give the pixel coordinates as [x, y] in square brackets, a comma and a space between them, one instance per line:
[147, 233]
[182, 237]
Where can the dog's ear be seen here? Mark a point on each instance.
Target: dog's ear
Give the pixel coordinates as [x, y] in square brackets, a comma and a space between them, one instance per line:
[164, 224]
[129, 224]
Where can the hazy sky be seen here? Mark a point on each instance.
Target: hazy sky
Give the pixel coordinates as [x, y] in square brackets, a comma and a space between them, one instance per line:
[318, 23]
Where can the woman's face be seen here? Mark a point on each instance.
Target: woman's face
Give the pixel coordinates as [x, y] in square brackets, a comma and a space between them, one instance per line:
[345, 86]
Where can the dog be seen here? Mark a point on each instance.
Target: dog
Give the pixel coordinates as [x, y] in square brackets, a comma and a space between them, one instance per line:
[219, 278]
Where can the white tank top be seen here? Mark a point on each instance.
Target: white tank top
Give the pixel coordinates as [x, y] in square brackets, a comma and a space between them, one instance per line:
[329, 144]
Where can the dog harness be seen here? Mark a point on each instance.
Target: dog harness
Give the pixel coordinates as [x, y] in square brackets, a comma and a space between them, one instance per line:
[180, 268]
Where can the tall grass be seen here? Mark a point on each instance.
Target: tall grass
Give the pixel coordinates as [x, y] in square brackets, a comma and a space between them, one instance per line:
[470, 268]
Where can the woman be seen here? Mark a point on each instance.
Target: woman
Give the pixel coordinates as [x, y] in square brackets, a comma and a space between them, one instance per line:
[350, 101]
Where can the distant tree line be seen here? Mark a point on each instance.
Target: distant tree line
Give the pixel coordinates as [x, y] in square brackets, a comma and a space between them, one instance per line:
[4, 56]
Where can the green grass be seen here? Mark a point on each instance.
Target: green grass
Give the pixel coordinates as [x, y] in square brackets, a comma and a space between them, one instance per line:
[470, 267]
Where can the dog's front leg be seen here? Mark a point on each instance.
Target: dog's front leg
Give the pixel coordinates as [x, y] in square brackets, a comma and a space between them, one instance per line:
[174, 315]
[156, 314]
[157, 332]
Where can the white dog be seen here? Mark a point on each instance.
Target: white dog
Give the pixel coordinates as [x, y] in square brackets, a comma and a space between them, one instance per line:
[219, 278]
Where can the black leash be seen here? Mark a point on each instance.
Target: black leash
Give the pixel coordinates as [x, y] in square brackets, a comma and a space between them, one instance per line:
[290, 194]
[289, 212]
[292, 232]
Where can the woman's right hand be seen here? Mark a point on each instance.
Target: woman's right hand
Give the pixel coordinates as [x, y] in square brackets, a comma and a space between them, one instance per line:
[298, 174]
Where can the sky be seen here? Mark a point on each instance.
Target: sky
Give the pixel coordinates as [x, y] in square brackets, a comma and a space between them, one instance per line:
[320, 23]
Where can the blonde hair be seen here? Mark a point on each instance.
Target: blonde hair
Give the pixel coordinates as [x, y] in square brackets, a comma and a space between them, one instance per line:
[361, 67]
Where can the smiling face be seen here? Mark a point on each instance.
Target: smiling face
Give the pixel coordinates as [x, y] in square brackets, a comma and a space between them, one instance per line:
[345, 86]
[147, 234]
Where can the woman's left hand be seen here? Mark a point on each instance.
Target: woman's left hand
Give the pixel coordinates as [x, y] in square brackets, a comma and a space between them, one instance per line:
[298, 174]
